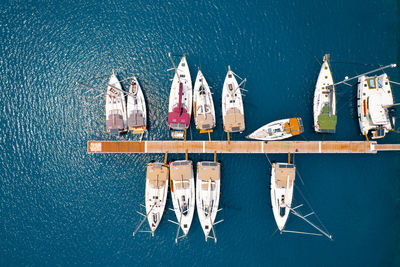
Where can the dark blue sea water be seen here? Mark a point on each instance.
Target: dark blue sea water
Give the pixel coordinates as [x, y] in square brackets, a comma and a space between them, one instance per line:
[62, 206]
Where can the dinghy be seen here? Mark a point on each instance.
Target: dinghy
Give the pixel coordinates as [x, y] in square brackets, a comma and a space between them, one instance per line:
[207, 195]
[136, 108]
[278, 130]
[232, 104]
[183, 193]
[325, 118]
[203, 105]
[156, 193]
[116, 121]
[374, 98]
[180, 98]
[282, 182]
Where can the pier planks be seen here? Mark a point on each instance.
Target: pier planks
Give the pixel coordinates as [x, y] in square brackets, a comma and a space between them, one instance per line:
[243, 147]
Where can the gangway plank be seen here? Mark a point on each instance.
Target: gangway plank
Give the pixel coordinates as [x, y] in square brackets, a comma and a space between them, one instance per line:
[241, 147]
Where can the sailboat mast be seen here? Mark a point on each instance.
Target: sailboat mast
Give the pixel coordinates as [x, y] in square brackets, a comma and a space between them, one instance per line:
[310, 223]
[355, 77]
[176, 70]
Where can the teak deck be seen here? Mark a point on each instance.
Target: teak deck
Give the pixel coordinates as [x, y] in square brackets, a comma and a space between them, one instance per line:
[244, 147]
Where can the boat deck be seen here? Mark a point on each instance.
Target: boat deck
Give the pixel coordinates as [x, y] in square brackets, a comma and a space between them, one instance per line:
[157, 174]
[244, 147]
[208, 171]
[285, 174]
[181, 170]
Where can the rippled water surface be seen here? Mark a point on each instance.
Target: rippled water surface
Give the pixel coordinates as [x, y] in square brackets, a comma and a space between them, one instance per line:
[61, 206]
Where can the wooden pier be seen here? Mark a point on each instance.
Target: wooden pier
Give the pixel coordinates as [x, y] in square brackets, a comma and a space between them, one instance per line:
[241, 147]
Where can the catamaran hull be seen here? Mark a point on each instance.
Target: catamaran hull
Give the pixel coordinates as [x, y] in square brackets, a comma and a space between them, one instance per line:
[367, 111]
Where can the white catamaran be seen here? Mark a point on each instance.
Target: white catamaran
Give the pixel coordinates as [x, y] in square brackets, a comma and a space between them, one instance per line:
[325, 118]
[180, 98]
[156, 192]
[374, 97]
[183, 193]
[278, 130]
[203, 105]
[207, 195]
[282, 183]
[232, 104]
[116, 120]
[136, 108]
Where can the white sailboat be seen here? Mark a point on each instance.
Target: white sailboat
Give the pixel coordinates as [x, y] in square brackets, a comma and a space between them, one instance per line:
[183, 193]
[282, 183]
[203, 105]
[324, 108]
[156, 192]
[180, 98]
[116, 120]
[136, 108]
[278, 130]
[232, 104]
[208, 182]
[374, 97]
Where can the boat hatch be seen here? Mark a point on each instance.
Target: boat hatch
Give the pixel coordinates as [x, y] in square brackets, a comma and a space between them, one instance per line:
[185, 208]
[114, 131]
[182, 75]
[380, 84]
[282, 211]
[230, 87]
[371, 83]
[378, 133]
[113, 92]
